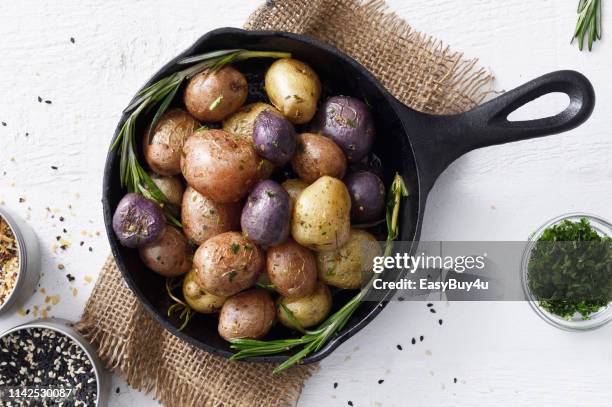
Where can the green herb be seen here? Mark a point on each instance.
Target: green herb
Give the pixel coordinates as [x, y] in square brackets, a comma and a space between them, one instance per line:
[292, 319]
[330, 271]
[266, 286]
[351, 123]
[216, 103]
[313, 340]
[588, 24]
[204, 127]
[235, 247]
[161, 94]
[270, 194]
[570, 269]
[182, 308]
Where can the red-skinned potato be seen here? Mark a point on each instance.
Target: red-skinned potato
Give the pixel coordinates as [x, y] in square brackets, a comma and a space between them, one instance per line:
[203, 218]
[219, 165]
[227, 264]
[309, 310]
[249, 314]
[317, 156]
[292, 269]
[163, 152]
[169, 255]
[198, 299]
[211, 96]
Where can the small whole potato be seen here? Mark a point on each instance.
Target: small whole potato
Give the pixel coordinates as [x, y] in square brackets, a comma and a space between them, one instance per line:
[317, 156]
[242, 123]
[348, 122]
[309, 310]
[367, 196]
[169, 255]
[321, 217]
[227, 264]
[293, 88]
[211, 96]
[138, 221]
[293, 187]
[274, 138]
[198, 299]
[249, 314]
[203, 218]
[266, 215]
[163, 152]
[351, 265]
[171, 187]
[219, 165]
[292, 269]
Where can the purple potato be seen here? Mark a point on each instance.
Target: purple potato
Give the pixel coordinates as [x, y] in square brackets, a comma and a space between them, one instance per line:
[138, 221]
[349, 123]
[367, 193]
[274, 138]
[266, 216]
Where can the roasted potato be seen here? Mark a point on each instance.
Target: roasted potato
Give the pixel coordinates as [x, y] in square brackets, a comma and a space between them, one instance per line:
[294, 187]
[203, 218]
[292, 269]
[163, 152]
[309, 310]
[349, 123]
[367, 196]
[169, 255]
[249, 314]
[171, 187]
[351, 265]
[294, 89]
[321, 217]
[274, 138]
[227, 264]
[266, 216]
[138, 221]
[242, 123]
[211, 96]
[317, 156]
[219, 165]
[198, 299]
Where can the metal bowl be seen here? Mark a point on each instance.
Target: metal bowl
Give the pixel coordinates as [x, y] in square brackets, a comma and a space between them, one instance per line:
[29, 262]
[64, 327]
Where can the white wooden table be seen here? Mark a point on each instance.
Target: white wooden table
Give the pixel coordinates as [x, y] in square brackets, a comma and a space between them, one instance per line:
[500, 354]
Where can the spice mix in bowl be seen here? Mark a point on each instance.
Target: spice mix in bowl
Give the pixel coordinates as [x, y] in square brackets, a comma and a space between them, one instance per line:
[9, 261]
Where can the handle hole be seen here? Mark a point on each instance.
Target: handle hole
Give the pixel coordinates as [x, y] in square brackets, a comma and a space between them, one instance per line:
[547, 105]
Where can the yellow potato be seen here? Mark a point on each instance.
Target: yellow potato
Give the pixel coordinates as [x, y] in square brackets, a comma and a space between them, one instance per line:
[321, 217]
[351, 265]
[293, 187]
[242, 122]
[197, 298]
[294, 89]
[308, 311]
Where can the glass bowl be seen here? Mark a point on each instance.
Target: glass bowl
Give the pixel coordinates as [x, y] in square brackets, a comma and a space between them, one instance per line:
[576, 323]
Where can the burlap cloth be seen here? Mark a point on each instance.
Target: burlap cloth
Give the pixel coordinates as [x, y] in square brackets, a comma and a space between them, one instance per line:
[417, 69]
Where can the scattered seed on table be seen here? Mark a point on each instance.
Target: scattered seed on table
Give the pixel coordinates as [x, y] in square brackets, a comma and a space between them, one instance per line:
[440, 321]
[21, 200]
[61, 218]
[335, 385]
[70, 277]
[433, 311]
[400, 299]
[413, 341]
[350, 403]
[72, 40]
[42, 357]
[399, 347]
[455, 380]
[48, 102]
[117, 390]
[421, 338]
[53, 167]
[4, 124]
[40, 99]
[429, 305]
[380, 381]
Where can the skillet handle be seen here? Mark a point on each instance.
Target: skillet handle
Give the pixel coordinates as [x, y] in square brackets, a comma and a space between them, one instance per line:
[488, 124]
[440, 140]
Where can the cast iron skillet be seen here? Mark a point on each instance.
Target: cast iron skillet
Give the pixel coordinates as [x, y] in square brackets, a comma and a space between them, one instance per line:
[417, 145]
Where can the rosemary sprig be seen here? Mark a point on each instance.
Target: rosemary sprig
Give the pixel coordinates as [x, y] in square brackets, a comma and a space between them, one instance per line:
[313, 340]
[161, 94]
[588, 24]
[181, 307]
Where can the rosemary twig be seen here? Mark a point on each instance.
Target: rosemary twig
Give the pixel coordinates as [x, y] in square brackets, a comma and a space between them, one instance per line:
[313, 340]
[589, 23]
[161, 94]
[181, 307]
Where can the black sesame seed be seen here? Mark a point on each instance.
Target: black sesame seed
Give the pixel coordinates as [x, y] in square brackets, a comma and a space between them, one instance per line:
[455, 380]
[399, 347]
[400, 299]
[4, 124]
[48, 102]
[90, 249]
[53, 167]
[73, 41]
[350, 403]
[61, 218]
[421, 338]
[440, 321]
[70, 277]
[433, 311]
[430, 305]
[117, 390]
[413, 341]
[335, 385]
[380, 381]
[40, 99]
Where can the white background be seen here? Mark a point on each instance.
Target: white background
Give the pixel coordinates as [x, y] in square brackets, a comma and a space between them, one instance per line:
[501, 354]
